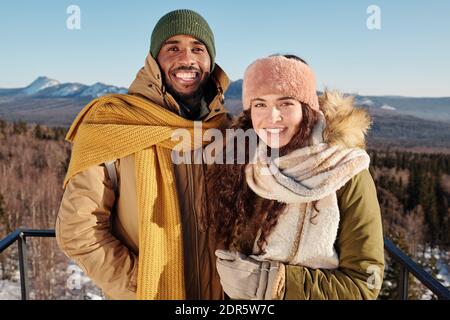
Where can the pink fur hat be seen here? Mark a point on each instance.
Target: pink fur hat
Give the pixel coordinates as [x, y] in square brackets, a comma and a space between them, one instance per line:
[280, 75]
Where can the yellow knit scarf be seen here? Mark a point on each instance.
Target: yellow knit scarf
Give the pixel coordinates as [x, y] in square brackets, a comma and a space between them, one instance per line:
[115, 126]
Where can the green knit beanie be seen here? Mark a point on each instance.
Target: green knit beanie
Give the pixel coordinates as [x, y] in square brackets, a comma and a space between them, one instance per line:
[185, 22]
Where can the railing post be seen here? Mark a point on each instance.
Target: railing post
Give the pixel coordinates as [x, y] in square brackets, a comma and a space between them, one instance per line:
[403, 283]
[23, 266]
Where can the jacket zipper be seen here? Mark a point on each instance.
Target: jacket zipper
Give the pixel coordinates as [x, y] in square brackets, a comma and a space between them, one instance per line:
[191, 192]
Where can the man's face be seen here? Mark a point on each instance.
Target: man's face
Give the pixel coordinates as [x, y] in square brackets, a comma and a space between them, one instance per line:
[185, 63]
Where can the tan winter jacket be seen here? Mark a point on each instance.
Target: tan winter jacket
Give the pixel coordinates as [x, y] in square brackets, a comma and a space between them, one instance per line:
[109, 254]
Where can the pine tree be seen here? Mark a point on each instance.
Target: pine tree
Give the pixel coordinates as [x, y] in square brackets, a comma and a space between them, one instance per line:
[413, 186]
[3, 126]
[428, 200]
[3, 217]
[19, 127]
[38, 133]
[443, 216]
[374, 158]
[59, 133]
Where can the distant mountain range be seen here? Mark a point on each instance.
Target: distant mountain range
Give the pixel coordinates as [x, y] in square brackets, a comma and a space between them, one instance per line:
[44, 87]
[398, 121]
[437, 109]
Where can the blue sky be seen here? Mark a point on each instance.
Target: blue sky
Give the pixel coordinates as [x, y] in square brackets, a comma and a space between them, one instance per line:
[408, 56]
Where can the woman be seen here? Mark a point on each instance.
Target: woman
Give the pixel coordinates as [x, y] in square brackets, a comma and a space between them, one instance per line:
[305, 224]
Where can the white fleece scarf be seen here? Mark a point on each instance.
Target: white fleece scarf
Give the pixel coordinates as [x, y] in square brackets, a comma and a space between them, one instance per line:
[303, 236]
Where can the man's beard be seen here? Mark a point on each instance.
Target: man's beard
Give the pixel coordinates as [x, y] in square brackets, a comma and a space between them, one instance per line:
[186, 98]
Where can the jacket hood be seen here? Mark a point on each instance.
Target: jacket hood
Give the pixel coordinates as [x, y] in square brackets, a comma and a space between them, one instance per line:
[345, 125]
[149, 84]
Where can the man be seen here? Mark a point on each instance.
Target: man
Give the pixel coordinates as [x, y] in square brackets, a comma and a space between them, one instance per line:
[156, 246]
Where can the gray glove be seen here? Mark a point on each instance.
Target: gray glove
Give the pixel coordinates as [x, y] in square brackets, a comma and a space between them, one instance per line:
[246, 278]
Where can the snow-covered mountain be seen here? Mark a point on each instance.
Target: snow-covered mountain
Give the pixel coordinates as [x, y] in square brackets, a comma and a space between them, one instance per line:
[64, 90]
[361, 101]
[46, 87]
[98, 89]
[39, 84]
[387, 107]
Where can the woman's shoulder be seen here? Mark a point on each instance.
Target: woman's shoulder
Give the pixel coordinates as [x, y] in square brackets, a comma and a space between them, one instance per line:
[360, 186]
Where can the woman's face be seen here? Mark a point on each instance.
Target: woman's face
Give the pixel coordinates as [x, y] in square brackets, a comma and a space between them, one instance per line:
[276, 118]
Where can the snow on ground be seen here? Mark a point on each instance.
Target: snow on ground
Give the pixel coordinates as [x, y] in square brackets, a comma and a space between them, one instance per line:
[442, 260]
[444, 269]
[70, 284]
[9, 290]
[78, 282]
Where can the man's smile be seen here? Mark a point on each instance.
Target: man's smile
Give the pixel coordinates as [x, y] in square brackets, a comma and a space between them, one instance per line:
[186, 78]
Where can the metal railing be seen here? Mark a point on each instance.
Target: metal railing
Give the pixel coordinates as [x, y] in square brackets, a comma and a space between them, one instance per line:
[21, 235]
[407, 265]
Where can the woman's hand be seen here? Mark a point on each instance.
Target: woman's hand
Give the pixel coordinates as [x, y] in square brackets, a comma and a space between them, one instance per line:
[246, 278]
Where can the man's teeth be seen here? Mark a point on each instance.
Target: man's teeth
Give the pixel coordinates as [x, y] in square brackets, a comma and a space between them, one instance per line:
[275, 130]
[186, 75]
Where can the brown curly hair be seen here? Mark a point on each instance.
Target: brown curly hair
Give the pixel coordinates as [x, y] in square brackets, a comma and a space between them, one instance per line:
[232, 202]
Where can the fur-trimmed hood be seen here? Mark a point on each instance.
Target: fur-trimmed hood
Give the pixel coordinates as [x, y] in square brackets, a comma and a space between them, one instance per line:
[345, 124]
